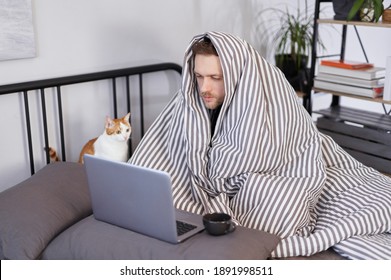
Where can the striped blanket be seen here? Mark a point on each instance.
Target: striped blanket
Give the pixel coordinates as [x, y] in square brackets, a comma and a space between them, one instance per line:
[266, 164]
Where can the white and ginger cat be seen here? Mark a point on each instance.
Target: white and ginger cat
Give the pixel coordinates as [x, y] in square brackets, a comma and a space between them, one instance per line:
[113, 143]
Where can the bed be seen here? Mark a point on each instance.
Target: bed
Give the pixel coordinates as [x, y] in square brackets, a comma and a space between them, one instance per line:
[48, 215]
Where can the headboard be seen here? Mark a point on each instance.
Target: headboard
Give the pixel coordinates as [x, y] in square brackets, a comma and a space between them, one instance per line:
[53, 88]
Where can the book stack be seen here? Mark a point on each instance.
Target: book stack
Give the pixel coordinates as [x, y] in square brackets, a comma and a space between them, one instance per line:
[350, 77]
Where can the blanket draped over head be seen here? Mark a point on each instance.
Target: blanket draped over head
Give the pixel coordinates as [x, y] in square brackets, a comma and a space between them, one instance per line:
[266, 164]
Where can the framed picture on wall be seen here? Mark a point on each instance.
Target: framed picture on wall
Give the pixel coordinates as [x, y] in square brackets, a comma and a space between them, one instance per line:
[16, 32]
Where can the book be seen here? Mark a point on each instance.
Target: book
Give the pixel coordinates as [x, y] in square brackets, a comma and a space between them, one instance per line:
[350, 81]
[347, 64]
[387, 84]
[366, 74]
[354, 90]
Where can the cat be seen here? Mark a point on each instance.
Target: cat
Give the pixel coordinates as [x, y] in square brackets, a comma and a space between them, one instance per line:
[112, 143]
[53, 155]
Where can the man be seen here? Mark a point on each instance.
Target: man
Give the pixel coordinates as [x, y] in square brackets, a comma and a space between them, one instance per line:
[210, 80]
[235, 139]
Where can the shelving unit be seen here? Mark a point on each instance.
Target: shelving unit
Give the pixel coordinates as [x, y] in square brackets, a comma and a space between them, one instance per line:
[349, 23]
[365, 135]
[337, 93]
[354, 23]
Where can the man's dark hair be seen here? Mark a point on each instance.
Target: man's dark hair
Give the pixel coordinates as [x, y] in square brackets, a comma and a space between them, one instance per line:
[204, 46]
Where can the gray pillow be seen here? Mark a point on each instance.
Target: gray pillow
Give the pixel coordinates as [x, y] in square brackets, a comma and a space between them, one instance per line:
[35, 211]
[90, 239]
[46, 217]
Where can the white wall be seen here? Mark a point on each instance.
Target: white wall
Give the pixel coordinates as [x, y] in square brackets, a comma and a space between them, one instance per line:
[74, 37]
[80, 36]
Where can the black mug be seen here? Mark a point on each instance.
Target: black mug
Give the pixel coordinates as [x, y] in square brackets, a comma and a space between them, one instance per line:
[218, 223]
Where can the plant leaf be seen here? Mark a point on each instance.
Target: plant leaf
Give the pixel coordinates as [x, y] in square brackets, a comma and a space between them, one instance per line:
[379, 8]
[355, 8]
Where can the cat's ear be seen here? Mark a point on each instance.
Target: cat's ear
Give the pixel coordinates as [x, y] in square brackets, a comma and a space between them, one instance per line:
[109, 122]
[126, 118]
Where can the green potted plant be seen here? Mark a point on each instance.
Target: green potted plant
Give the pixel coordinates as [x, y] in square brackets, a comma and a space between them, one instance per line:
[369, 10]
[289, 35]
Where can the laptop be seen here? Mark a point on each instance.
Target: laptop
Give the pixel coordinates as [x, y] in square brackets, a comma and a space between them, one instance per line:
[137, 198]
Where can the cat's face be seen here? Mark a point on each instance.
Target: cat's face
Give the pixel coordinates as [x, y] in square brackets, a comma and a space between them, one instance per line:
[119, 129]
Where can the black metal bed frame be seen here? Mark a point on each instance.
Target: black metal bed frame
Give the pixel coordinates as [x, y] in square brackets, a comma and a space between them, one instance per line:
[57, 83]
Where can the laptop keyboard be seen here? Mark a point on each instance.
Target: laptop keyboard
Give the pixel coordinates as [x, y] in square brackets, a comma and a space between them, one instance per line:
[183, 227]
